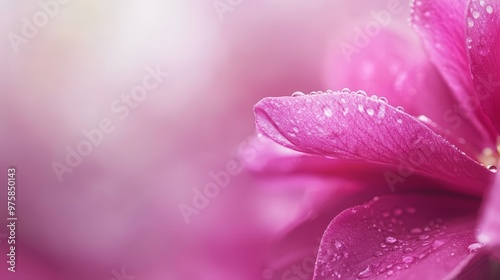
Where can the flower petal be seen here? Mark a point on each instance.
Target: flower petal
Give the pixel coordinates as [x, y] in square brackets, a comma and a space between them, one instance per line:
[405, 237]
[483, 39]
[441, 25]
[351, 126]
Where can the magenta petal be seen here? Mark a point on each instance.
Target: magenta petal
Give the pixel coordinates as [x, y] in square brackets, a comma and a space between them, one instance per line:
[405, 237]
[483, 39]
[441, 25]
[352, 126]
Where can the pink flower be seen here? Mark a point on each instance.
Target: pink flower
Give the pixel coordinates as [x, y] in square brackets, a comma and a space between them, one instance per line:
[439, 155]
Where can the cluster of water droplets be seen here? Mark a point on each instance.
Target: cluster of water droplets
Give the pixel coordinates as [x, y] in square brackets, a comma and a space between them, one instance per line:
[478, 14]
[411, 244]
[344, 90]
[415, 245]
[300, 93]
[328, 112]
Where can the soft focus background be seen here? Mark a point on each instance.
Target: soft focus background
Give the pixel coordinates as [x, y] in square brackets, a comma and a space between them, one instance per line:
[118, 213]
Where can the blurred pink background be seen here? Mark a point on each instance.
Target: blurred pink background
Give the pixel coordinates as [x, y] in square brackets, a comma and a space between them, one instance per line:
[117, 214]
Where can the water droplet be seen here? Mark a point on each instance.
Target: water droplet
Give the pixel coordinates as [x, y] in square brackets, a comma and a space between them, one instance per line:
[383, 245]
[378, 254]
[313, 93]
[475, 14]
[408, 250]
[492, 168]
[408, 259]
[423, 118]
[345, 111]
[437, 243]
[489, 9]
[390, 272]
[361, 92]
[423, 237]
[481, 2]
[297, 93]
[343, 100]
[295, 129]
[374, 97]
[475, 246]
[400, 121]
[416, 230]
[365, 273]
[400, 108]
[390, 240]
[370, 111]
[470, 22]
[338, 245]
[328, 112]
[346, 255]
[360, 108]
[346, 90]
[422, 255]
[383, 99]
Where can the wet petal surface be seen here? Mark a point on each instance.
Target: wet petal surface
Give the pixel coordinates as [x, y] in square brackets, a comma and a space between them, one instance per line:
[352, 126]
[400, 237]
